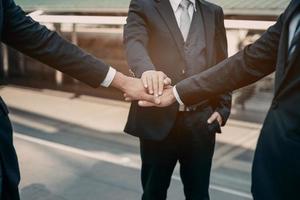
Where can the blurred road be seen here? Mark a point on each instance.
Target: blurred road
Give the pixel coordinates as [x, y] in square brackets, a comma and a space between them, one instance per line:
[74, 149]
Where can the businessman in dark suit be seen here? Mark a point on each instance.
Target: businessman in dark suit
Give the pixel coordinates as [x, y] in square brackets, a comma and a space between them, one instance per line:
[180, 38]
[22, 33]
[276, 167]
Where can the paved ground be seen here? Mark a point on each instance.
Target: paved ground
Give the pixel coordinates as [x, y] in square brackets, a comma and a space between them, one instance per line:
[74, 149]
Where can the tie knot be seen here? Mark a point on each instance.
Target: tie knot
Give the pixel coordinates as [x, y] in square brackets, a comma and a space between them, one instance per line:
[185, 4]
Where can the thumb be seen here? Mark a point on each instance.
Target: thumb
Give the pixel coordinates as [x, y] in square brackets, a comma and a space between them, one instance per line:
[146, 104]
[167, 81]
[212, 119]
[151, 99]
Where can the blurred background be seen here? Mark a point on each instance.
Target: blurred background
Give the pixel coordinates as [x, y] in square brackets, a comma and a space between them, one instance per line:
[70, 138]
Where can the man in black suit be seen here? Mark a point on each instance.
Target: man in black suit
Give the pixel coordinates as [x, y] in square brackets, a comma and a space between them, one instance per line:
[180, 38]
[276, 167]
[22, 33]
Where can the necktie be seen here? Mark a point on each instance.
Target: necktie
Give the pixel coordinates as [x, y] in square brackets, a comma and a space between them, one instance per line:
[185, 19]
[295, 41]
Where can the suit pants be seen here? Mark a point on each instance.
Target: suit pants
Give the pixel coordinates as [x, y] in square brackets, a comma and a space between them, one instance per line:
[190, 143]
[1, 179]
[10, 175]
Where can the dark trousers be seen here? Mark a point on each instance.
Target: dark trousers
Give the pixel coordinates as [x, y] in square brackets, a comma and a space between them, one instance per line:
[1, 179]
[192, 145]
[8, 158]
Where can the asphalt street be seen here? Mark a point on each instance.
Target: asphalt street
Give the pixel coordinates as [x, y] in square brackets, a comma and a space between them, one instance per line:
[74, 149]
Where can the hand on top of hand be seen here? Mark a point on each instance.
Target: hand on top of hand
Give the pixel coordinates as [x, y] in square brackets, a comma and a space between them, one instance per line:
[155, 82]
[133, 88]
[165, 100]
[158, 86]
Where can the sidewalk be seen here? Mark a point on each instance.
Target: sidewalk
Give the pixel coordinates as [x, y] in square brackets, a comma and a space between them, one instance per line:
[92, 112]
[50, 121]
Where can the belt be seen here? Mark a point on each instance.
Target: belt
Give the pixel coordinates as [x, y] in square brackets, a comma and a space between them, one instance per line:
[183, 108]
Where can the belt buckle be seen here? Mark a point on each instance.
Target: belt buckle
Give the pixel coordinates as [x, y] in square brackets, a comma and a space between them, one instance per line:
[182, 108]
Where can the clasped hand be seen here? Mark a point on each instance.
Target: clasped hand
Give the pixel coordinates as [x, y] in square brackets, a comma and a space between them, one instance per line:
[158, 85]
[154, 90]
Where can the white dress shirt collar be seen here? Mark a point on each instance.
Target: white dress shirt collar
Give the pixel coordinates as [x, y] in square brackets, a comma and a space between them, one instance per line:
[175, 4]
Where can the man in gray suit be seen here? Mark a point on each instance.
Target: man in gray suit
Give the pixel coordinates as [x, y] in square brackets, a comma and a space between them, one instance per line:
[180, 38]
[22, 33]
[276, 165]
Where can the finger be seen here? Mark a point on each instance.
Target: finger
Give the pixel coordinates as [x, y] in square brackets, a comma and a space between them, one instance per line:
[167, 81]
[150, 98]
[155, 85]
[128, 99]
[220, 120]
[160, 85]
[146, 104]
[144, 80]
[125, 95]
[150, 86]
[212, 118]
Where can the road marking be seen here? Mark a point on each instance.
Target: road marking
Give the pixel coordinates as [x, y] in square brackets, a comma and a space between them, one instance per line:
[114, 159]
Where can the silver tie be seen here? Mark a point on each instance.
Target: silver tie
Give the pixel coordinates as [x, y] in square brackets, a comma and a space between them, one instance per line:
[295, 40]
[185, 19]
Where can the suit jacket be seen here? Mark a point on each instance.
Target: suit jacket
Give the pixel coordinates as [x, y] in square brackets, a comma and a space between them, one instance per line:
[153, 41]
[277, 160]
[24, 34]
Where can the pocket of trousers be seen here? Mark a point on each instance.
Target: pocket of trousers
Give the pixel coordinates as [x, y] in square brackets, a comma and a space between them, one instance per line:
[214, 127]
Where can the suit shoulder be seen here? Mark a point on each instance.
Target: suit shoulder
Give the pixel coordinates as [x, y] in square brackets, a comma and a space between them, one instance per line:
[143, 3]
[213, 6]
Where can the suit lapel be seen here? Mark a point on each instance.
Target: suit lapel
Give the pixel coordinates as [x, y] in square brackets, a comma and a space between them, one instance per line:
[166, 12]
[208, 18]
[283, 66]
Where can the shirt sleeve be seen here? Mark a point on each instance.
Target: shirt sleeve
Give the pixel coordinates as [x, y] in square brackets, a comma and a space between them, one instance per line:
[109, 77]
[177, 97]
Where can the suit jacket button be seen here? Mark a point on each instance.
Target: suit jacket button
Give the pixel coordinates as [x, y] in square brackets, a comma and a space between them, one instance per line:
[183, 71]
[275, 105]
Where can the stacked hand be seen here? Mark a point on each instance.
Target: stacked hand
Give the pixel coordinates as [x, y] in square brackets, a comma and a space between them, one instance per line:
[133, 88]
[157, 86]
[152, 90]
[155, 81]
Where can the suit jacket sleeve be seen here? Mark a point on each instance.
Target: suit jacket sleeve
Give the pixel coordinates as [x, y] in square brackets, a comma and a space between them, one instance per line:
[223, 101]
[136, 40]
[35, 40]
[247, 66]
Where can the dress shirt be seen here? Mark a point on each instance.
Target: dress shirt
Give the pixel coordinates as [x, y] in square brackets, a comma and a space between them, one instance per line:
[177, 10]
[292, 29]
[109, 77]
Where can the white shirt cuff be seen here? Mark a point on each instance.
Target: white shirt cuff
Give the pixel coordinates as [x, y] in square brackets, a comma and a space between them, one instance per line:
[109, 77]
[177, 97]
